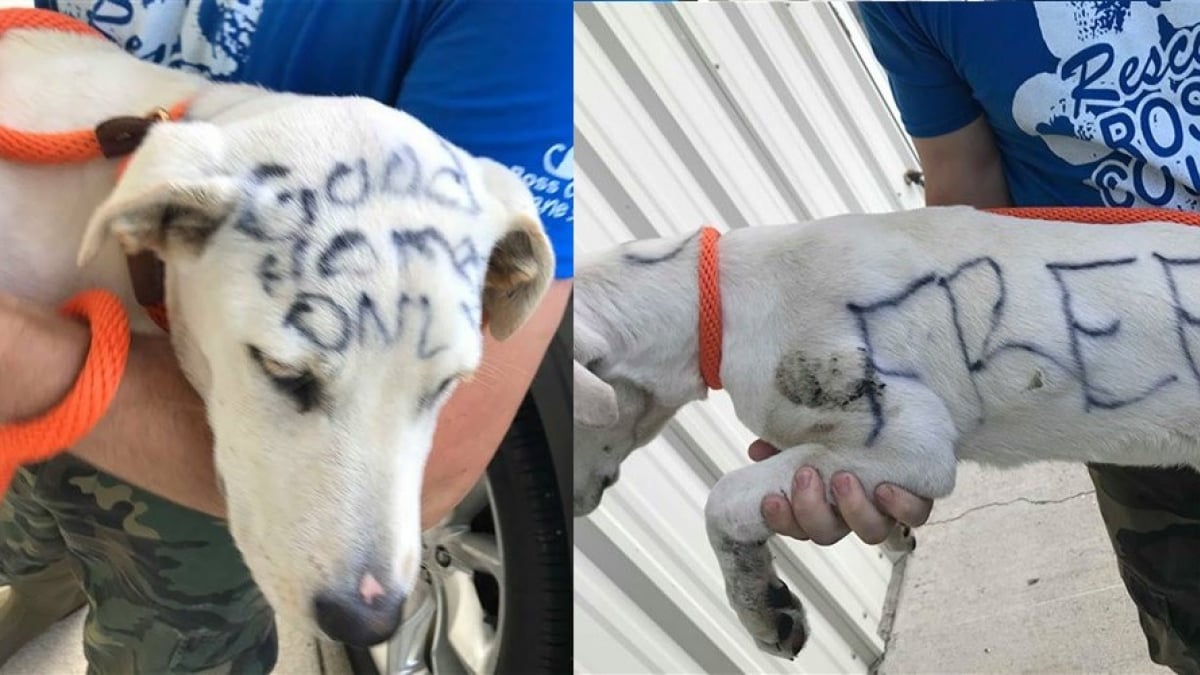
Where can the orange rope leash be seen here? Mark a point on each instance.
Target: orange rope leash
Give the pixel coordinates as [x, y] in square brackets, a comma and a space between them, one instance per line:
[709, 277]
[97, 383]
[74, 417]
[109, 139]
[53, 147]
[62, 147]
[1100, 215]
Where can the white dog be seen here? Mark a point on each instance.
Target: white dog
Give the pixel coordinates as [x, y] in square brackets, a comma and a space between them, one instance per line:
[891, 346]
[328, 261]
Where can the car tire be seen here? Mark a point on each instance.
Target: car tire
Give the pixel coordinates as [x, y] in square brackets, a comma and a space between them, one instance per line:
[536, 551]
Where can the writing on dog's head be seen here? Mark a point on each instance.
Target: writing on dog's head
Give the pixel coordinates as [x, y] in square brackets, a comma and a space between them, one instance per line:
[330, 264]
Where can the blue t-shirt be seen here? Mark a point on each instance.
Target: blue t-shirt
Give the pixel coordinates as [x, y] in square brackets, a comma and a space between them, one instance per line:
[492, 76]
[1091, 103]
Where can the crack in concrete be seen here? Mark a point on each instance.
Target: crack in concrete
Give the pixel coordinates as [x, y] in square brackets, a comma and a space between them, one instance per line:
[1026, 500]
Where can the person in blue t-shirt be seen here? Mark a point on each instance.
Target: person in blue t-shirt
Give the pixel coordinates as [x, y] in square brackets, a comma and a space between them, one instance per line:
[1050, 104]
[166, 587]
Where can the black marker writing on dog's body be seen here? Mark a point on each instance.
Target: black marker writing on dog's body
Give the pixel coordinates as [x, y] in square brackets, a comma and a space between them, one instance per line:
[324, 320]
[1076, 329]
[1182, 316]
[637, 259]
[1074, 365]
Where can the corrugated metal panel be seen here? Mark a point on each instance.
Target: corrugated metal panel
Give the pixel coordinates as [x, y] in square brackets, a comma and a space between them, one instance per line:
[735, 115]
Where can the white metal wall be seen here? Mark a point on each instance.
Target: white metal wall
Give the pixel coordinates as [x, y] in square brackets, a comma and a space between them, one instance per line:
[733, 115]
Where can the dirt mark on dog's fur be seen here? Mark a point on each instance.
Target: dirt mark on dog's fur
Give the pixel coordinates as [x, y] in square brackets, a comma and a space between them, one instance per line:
[837, 381]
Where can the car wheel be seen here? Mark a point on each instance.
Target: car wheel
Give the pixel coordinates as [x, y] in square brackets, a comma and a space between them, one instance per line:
[494, 594]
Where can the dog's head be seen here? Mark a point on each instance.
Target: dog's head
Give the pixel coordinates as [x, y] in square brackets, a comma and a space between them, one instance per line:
[616, 409]
[612, 419]
[330, 264]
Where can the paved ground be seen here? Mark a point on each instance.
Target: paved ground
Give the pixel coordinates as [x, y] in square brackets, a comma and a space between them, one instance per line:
[60, 652]
[1014, 574]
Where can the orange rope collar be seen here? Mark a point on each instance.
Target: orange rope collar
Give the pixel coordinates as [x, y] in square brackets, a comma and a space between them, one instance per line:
[75, 416]
[709, 277]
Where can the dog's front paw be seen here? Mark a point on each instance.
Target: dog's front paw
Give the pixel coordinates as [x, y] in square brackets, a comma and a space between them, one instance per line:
[777, 623]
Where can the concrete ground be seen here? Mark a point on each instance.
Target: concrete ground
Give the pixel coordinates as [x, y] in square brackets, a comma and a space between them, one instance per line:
[1014, 574]
[60, 652]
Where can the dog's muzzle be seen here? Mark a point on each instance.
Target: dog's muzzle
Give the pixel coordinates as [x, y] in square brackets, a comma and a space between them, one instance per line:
[365, 616]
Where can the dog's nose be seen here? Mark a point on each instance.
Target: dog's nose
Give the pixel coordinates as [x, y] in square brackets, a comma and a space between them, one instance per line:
[364, 617]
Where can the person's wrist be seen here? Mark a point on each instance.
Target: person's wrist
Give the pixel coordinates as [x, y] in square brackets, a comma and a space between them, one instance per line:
[41, 354]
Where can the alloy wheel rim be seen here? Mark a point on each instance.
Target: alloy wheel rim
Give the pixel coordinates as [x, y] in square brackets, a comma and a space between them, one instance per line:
[445, 628]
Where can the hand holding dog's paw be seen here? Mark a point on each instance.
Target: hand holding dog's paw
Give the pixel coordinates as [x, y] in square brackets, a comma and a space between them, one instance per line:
[808, 515]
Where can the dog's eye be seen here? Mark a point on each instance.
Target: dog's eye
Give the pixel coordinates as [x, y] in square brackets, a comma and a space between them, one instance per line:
[299, 385]
[438, 392]
[276, 369]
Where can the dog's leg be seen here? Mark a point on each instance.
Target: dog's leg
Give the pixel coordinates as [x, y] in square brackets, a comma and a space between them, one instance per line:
[770, 612]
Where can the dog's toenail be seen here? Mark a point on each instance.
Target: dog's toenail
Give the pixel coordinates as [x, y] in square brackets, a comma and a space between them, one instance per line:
[778, 596]
[784, 627]
[798, 642]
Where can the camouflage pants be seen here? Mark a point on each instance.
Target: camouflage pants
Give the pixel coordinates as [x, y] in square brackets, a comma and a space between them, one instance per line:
[1153, 520]
[167, 591]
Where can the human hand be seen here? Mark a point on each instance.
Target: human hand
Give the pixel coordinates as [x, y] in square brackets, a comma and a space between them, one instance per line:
[807, 516]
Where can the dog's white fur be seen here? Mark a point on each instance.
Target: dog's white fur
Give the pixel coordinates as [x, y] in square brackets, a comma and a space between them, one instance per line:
[315, 499]
[794, 367]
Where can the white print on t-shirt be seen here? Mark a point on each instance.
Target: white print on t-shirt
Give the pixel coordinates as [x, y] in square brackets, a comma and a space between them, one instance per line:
[1125, 98]
[554, 193]
[211, 37]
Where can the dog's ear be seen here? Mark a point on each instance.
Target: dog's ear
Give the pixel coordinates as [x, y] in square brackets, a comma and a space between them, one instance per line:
[521, 264]
[595, 400]
[172, 191]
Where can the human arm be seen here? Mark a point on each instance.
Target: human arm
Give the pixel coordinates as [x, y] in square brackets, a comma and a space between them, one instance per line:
[963, 167]
[154, 434]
